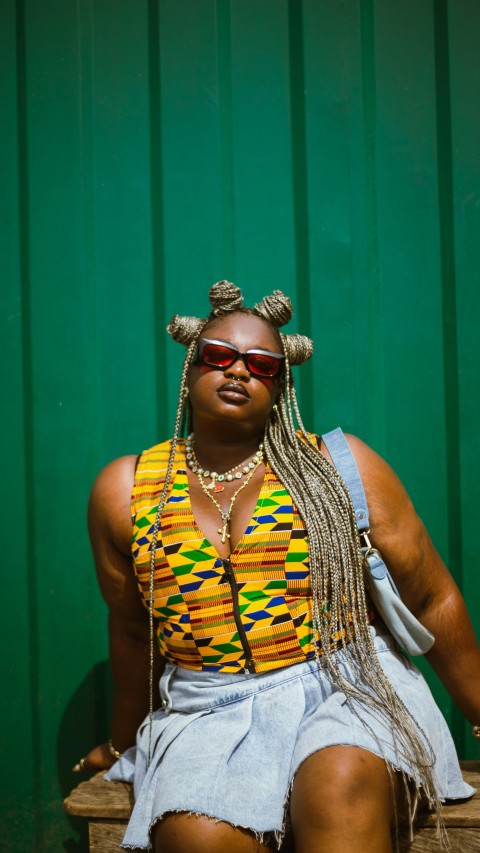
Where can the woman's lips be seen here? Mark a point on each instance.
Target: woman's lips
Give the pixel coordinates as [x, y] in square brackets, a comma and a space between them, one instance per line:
[233, 391]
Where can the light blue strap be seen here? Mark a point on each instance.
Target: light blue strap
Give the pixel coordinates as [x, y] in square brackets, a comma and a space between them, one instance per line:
[410, 634]
[342, 458]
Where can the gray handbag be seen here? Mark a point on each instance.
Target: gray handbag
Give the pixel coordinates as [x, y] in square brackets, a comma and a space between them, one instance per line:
[409, 633]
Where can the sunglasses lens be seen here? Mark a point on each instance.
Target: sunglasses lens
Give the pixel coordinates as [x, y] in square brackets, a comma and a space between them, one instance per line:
[221, 356]
[260, 364]
[217, 356]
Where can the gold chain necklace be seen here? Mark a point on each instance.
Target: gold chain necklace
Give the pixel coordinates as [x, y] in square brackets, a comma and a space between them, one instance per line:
[226, 516]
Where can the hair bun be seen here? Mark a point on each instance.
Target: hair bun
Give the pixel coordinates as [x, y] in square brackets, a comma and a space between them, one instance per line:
[298, 348]
[276, 309]
[185, 330]
[224, 297]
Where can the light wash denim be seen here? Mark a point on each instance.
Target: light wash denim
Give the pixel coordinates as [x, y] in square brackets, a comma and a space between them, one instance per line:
[229, 745]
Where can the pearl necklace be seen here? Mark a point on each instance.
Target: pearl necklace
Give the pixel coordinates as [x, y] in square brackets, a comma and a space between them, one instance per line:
[248, 471]
[236, 473]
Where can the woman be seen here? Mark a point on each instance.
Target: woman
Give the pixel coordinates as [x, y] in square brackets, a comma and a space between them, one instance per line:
[283, 697]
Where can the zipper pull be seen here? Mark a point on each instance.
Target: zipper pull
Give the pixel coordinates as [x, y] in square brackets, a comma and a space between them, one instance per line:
[227, 569]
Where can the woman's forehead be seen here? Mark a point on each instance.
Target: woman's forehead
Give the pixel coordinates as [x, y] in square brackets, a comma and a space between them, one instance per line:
[244, 331]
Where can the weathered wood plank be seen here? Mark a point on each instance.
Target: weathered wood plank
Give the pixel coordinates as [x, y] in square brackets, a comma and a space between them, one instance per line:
[463, 813]
[465, 840]
[105, 835]
[108, 806]
[97, 798]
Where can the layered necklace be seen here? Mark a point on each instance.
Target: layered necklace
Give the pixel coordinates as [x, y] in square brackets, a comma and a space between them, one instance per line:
[245, 469]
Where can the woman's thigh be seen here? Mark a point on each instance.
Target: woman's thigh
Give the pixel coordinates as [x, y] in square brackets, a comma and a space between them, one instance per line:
[343, 798]
[187, 833]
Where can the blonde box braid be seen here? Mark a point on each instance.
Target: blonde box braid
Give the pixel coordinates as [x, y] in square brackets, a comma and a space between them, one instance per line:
[336, 571]
[335, 558]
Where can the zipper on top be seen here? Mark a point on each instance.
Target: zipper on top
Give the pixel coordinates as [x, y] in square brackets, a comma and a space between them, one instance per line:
[249, 663]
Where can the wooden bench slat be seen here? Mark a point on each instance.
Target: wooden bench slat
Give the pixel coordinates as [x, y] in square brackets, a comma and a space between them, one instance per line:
[426, 841]
[463, 812]
[105, 836]
[108, 806]
[96, 797]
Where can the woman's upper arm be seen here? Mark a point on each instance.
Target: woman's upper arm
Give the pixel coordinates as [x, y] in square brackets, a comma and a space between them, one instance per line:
[110, 529]
[399, 534]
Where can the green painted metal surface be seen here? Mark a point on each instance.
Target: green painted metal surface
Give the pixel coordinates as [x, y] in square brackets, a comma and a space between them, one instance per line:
[149, 149]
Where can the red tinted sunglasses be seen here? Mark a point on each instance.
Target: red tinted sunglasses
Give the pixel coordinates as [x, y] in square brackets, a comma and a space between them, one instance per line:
[219, 355]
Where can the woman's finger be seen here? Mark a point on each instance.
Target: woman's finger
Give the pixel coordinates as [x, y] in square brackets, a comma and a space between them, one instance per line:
[99, 758]
[80, 767]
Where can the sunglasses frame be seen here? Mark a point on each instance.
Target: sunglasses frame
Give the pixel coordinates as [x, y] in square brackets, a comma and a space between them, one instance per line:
[236, 354]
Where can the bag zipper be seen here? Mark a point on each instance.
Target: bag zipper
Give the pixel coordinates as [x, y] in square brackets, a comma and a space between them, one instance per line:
[249, 663]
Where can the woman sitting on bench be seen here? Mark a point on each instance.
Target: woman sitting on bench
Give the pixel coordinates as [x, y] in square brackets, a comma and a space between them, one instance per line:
[246, 643]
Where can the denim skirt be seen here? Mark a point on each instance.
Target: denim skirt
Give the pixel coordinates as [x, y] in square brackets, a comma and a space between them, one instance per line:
[228, 745]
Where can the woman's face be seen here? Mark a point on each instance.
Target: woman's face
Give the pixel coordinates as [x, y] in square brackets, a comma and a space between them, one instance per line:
[232, 394]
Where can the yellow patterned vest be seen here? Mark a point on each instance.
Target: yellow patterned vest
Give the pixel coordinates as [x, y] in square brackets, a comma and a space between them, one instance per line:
[251, 612]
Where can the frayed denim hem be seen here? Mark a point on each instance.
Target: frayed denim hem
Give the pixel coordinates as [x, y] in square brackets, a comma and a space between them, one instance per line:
[262, 837]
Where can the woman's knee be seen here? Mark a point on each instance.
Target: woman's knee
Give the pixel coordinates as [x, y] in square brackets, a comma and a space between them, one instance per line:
[342, 784]
[189, 833]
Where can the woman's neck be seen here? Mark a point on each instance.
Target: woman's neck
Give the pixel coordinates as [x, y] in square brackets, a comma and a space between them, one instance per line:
[221, 452]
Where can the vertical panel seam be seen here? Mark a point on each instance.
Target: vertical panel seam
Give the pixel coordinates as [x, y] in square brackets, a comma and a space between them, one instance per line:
[157, 214]
[85, 47]
[449, 311]
[27, 371]
[372, 285]
[86, 89]
[296, 59]
[227, 141]
[448, 282]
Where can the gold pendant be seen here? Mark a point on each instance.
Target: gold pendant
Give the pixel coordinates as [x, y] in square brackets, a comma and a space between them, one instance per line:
[223, 531]
[215, 486]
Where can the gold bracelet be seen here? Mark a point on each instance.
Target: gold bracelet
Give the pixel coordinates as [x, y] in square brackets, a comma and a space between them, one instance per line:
[116, 754]
[476, 732]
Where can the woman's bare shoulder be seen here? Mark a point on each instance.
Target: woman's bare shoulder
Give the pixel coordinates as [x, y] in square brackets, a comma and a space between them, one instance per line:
[370, 465]
[116, 475]
[382, 486]
[109, 504]
[393, 519]
[367, 459]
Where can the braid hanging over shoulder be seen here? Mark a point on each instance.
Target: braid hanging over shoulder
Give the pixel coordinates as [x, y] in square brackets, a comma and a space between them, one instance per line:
[324, 503]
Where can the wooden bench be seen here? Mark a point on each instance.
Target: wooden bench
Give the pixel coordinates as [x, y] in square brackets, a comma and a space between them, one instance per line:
[108, 805]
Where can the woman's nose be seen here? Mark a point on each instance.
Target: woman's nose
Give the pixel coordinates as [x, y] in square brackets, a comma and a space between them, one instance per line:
[238, 369]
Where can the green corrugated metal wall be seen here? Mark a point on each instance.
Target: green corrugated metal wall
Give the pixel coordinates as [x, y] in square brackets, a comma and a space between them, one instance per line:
[150, 148]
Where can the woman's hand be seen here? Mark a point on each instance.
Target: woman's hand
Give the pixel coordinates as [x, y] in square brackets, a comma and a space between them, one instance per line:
[99, 758]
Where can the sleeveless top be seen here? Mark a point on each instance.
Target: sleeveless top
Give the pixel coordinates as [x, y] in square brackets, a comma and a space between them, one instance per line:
[252, 611]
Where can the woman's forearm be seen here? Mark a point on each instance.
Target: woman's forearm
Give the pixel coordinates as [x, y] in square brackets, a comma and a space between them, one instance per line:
[130, 663]
[455, 655]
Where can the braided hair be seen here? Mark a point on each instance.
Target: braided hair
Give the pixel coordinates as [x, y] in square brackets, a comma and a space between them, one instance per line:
[335, 556]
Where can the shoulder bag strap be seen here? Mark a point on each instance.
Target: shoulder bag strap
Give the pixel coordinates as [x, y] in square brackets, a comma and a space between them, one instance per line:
[403, 625]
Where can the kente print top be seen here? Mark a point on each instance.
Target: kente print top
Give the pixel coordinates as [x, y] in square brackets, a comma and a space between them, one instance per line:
[251, 612]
